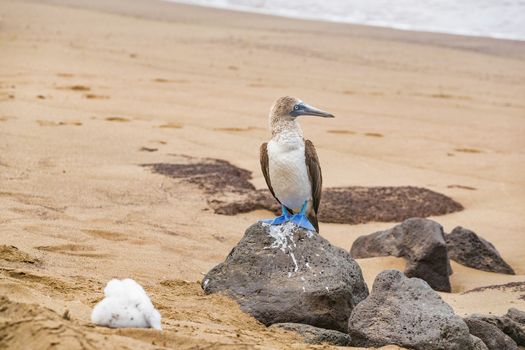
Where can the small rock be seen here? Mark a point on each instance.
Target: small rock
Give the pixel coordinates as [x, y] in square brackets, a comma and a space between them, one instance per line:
[421, 241]
[66, 315]
[506, 325]
[315, 335]
[491, 335]
[477, 344]
[469, 249]
[287, 274]
[516, 315]
[407, 312]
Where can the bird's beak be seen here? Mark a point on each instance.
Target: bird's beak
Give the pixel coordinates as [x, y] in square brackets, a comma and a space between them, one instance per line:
[304, 109]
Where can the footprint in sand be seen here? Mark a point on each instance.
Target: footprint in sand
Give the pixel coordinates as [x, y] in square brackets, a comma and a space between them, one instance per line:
[171, 126]
[96, 97]
[81, 88]
[30, 199]
[6, 96]
[58, 123]
[40, 279]
[448, 96]
[46, 162]
[78, 88]
[462, 187]
[114, 236]
[117, 119]
[373, 134]
[42, 213]
[108, 235]
[342, 131]
[468, 150]
[182, 288]
[162, 80]
[74, 250]
[147, 149]
[219, 238]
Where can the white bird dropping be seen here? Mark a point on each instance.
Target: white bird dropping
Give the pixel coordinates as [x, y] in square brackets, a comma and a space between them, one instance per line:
[125, 305]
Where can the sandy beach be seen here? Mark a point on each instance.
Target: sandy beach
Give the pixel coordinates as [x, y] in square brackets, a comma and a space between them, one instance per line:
[92, 90]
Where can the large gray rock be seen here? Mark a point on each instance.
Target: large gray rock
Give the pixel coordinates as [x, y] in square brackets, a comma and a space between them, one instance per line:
[420, 241]
[511, 328]
[469, 249]
[491, 335]
[286, 274]
[407, 312]
[315, 335]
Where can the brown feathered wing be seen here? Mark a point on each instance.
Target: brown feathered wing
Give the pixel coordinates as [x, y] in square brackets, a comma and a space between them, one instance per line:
[316, 180]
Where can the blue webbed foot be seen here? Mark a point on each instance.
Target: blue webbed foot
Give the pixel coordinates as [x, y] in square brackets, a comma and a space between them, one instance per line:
[302, 221]
[285, 216]
[298, 219]
[276, 221]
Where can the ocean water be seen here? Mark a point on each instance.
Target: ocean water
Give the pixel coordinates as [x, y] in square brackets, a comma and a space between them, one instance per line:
[503, 19]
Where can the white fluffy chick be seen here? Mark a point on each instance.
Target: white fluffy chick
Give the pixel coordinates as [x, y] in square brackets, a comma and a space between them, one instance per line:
[126, 304]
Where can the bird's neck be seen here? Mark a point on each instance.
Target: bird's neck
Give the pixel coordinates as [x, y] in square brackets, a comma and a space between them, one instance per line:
[286, 131]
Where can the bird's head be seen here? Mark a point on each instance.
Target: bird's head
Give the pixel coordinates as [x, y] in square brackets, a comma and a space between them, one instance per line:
[289, 108]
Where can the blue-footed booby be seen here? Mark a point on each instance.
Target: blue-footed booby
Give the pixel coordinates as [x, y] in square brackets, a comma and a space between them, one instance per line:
[290, 164]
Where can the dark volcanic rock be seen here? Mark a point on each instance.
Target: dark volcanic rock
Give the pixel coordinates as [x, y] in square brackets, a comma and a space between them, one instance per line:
[285, 274]
[511, 328]
[420, 241]
[516, 315]
[469, 249]
[315, 335]
[407, 312]
[491, 335]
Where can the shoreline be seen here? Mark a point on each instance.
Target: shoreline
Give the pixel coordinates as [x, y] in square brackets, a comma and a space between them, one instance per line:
[166, 10]
[400, 27]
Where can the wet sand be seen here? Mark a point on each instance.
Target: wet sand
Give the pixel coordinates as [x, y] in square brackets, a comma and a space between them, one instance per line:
[92, 91]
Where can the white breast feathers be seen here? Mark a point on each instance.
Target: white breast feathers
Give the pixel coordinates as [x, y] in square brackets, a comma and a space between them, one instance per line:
[288, 172]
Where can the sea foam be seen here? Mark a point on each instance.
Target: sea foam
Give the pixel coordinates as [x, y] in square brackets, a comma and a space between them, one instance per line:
[491, 18]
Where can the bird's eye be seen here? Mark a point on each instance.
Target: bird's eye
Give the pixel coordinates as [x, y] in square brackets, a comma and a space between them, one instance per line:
[296, 107]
